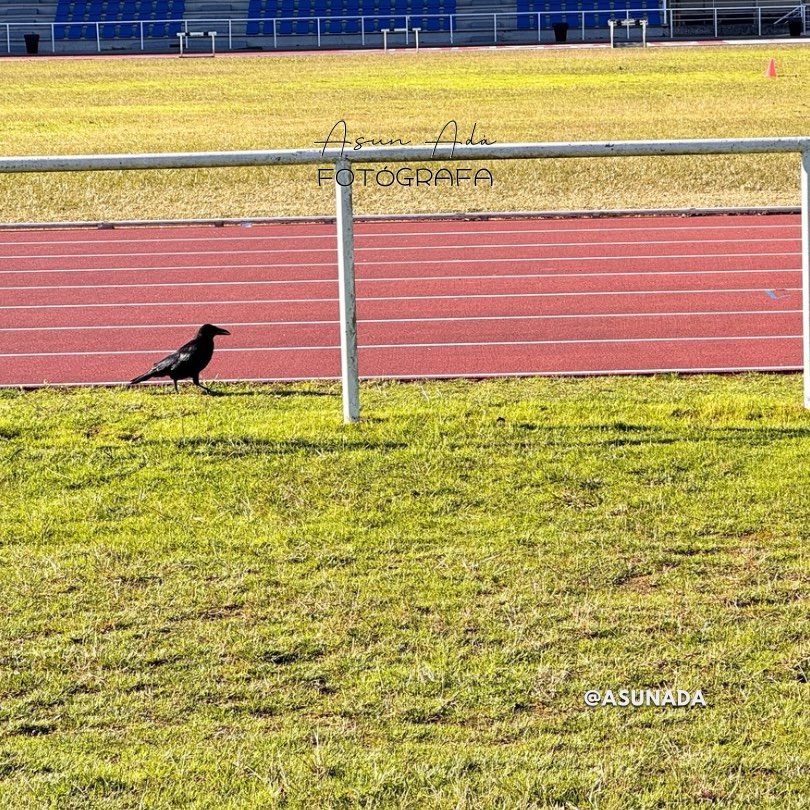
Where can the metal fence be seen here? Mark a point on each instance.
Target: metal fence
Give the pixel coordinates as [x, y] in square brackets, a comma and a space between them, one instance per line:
[365, 31]
[343, 160]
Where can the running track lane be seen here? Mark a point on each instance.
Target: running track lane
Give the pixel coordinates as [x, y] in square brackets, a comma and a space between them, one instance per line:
[435, 298]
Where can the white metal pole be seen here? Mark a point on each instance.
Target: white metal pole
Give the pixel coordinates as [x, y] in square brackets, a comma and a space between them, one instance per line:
[806, 274]
[346, 292]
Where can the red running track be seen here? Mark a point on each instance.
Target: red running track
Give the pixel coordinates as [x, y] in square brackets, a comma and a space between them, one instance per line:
[435, 298]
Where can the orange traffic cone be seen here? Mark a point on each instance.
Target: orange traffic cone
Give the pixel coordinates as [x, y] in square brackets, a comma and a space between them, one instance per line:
[770, 71]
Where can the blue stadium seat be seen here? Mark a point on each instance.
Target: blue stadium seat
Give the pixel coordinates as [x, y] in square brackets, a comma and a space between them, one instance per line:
[287, 12]
[159, 29]
[60, 16]
[416, 11]
[434, 22]
[109, 17]
[353, 10]
[525, 21]
[143, 10]
[271, 12]
[93, 16]
[254, 13]
[603, 15]
[128, 14]
[76, 30]
[303, 25]
[319, 10]
[652, 11]
[177, 8]
[334, 10]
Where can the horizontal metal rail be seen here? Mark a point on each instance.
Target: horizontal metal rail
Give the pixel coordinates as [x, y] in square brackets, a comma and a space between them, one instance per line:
[404, 154]
[342, 159]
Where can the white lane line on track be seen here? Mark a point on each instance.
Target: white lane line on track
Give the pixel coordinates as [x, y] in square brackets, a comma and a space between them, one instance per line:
[470, 344]
[367, 264]
[361, 233]
[396, 279]
[758, 290]
[454, 319]
[468, 375]
[382, 249]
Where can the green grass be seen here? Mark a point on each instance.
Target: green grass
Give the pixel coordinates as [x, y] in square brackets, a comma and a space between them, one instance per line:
[57, 106]
[241, 602]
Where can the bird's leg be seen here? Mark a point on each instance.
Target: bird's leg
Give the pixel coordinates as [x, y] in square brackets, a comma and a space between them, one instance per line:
[176, 389]
[206, 390]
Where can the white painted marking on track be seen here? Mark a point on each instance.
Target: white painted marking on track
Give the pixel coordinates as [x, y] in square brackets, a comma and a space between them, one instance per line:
[397, 279]
[400, 262]
[388, 298]
[455, 375]
[642, 226]
[384, 249]
[467, 344]
[451, 319]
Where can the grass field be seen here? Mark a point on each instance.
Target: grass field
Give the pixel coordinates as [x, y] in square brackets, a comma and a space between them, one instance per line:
[252, 102]
[240, 602]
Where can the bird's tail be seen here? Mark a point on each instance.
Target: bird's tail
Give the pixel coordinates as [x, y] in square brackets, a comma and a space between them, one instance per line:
[147, 376]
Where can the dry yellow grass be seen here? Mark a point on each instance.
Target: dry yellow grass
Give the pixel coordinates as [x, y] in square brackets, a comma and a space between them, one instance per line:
[85, 106]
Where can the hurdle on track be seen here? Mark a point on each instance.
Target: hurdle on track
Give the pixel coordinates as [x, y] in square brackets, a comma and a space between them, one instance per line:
[343, 161]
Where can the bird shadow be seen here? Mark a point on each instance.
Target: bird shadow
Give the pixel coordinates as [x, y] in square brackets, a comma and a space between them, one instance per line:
[270, 393]
[167, 390]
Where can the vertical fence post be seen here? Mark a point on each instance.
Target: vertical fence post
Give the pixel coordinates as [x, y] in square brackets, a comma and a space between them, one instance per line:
[806, 273]
[346, 293]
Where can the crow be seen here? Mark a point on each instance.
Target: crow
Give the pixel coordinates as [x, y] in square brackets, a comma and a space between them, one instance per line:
[189, 360]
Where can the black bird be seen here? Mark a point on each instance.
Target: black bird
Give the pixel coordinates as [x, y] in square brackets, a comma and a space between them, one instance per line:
[189, 360]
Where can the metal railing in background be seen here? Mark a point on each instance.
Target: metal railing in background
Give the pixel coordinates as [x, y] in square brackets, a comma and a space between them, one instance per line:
[483, 28]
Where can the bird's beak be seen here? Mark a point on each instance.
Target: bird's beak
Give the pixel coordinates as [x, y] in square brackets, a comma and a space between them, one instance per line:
[222, 331]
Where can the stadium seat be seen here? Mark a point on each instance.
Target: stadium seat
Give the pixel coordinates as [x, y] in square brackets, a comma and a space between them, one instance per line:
[109, 17]
[352, 10]
[177, 9]
[334, 10]
[286, 12]
[254, 13]
[525, 21]
[269, 13]
[128, 14]
[434, 22]
[401, 10]
[61, 15]
[303, 24]
[159, 28]
[417, 8]
[76, 30]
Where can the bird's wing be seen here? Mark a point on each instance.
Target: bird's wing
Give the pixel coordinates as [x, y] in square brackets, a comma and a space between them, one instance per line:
[173, 361]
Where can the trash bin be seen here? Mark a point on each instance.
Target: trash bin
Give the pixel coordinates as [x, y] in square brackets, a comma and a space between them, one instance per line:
[560, 31]
[32, 43]
[795, 26]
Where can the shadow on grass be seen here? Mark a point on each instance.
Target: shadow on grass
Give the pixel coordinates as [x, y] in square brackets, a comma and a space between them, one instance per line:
[168, 390]
[231, 447]
[286, 392]
[622, 434]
